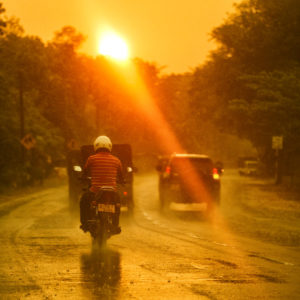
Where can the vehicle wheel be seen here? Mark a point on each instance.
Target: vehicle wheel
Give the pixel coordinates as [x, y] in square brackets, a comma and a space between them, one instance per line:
[130, 204]
[100, 236]
[213, 204]
[163, 199]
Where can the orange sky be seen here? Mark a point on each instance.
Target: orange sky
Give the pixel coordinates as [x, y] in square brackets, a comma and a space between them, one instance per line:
[172, 33]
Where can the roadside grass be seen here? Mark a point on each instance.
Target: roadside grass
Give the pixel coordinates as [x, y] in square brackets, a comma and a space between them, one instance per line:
[12, 198]
[267, 199]
[272, 213]
[8, 193]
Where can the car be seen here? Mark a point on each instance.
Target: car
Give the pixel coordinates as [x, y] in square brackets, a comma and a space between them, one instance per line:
[77, 159]
[248, 166]
[188, 178]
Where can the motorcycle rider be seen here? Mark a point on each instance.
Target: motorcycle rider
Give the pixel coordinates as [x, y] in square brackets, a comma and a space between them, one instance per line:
[104, 170]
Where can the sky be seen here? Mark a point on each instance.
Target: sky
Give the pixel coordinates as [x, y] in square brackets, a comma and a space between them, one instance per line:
[174, 34]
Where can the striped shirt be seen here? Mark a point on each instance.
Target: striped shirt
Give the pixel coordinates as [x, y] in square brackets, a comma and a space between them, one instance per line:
[104, 169]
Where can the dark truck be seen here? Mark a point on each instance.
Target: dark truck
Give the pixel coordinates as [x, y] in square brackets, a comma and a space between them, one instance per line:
[77, 158]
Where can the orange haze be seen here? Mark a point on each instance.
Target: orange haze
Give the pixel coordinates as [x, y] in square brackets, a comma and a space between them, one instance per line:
[171, 33]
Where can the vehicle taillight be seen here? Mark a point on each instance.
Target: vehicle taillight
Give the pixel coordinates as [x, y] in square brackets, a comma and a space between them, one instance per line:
[168, 169]
[216, 175]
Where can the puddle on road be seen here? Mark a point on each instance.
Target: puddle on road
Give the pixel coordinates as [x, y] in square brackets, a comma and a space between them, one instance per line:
[101, 273]
[268, 278]
[234, 281]
[174, 268]
[267, 259]
[224, 262]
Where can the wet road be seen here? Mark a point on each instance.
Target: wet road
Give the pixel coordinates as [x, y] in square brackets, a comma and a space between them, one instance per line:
[177, 255]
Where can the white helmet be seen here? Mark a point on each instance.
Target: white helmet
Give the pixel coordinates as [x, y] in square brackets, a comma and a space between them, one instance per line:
[102, 141]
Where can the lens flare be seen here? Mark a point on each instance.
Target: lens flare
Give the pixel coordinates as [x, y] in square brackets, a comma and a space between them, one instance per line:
[113, 46]
[163, 134]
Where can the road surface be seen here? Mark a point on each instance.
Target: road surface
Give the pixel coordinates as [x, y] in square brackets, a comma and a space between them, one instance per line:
[248, 250]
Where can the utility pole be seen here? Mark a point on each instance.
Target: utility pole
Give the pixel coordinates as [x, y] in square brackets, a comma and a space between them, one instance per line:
[22, 117]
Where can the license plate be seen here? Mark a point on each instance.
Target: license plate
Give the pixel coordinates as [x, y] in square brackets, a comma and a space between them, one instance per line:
[107, 208]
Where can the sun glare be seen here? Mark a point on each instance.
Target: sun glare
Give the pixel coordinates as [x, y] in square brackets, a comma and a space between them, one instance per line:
[114, 46]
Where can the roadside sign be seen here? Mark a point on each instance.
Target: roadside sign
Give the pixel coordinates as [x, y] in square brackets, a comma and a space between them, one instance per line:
[277, 142]
[28, 141]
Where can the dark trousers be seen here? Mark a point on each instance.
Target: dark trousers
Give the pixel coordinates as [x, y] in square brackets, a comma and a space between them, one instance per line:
[85, 208]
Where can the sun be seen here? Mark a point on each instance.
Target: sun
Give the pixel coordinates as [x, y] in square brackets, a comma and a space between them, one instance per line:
[113, 46]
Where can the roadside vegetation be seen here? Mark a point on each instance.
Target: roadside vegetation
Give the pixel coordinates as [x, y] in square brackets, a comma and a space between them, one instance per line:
[267, 212]
[247, 91]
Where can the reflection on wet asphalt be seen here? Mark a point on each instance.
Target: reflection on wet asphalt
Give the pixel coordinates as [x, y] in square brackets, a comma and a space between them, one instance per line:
[101, 273]
[176, 254]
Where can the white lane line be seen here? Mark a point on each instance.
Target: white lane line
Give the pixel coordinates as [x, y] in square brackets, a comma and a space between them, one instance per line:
[214, 242]
[194, 236]
[147, 216]
[155, 222]
[288, 264]
[200, 267]
[225, 245]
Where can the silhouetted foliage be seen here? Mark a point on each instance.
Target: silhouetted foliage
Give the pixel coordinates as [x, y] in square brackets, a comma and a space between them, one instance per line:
[249, 87]
[251, 82]
[63, 96]
[2, 22]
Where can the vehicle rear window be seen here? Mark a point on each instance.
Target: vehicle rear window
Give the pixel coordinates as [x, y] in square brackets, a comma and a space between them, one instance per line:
[183, 164]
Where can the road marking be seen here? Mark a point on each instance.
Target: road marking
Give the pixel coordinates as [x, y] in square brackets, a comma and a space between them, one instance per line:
[225, 245]
[155, 222]
[288, 264]
[214, 242]
[194, 236]
[147, 216]
[200, 267]
[271, 260]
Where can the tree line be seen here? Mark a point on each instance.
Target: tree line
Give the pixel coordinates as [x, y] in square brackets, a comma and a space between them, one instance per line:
[248, 89]
[252, 80]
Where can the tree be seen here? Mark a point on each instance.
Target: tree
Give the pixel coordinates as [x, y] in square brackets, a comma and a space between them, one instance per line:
[249, 85]
[273, 110]
[2, 22]
[261, 35]
[22, 73]
[68, 37]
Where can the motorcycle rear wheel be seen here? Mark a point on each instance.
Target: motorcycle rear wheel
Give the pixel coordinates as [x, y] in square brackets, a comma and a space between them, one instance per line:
[100, 237]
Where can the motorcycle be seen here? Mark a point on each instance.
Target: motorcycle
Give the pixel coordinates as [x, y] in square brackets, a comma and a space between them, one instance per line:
[104, 214]
[104, 211]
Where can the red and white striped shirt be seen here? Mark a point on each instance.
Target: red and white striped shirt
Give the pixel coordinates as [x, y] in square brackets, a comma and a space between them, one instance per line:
[104, 170]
